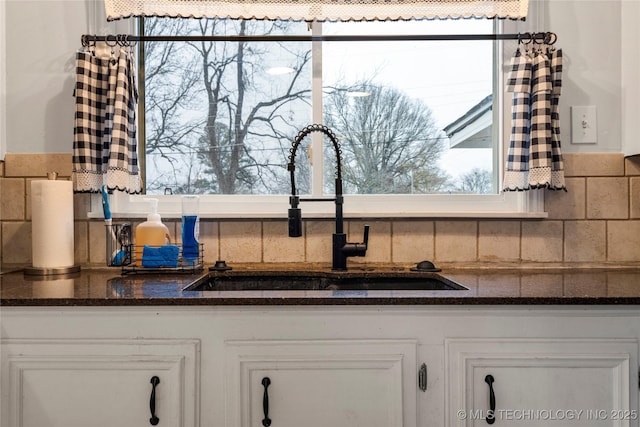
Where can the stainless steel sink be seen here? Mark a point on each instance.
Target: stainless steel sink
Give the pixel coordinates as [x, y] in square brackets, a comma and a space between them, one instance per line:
[323, 281]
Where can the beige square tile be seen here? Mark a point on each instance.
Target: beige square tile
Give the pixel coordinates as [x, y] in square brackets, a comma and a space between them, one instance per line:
[634, 197]
[412, 241]
[318, 240]
[81, 242]
[37, 165]
[379, 249]
[81, 205]
[608, 198]
[585, 241]
[97, 243]
[16, 243]
[241, 241]
[209, 238]
[632, 165]
[277, 246]
[499, 240]
[593, 164]
[12, 195]
[570, 204]
[456, 241]
[623, 241]
[542, 241]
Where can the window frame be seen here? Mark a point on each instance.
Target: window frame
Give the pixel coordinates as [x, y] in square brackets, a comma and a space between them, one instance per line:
[521, 204]
[3, 85]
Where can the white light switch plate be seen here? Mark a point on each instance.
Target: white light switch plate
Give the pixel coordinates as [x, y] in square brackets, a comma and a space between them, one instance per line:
[584, 124]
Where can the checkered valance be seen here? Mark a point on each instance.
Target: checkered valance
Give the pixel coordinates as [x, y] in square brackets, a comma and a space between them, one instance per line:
[104, 136]
[534, 159]
[319, 10]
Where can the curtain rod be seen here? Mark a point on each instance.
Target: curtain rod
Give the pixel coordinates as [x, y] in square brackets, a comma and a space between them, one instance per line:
[546, 37]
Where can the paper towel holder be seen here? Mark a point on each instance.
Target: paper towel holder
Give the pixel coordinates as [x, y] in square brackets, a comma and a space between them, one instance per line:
[51, 271]
[36, 271]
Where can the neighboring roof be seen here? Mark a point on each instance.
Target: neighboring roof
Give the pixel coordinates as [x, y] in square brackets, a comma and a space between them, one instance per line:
[474, 128]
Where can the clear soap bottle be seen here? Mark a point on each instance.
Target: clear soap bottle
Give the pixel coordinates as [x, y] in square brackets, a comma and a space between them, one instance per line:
[152, 232]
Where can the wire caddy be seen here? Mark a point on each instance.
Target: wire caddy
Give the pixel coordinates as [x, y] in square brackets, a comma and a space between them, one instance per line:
[134, 266]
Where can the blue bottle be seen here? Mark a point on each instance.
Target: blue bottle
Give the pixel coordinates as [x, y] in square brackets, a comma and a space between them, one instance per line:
[190, 230]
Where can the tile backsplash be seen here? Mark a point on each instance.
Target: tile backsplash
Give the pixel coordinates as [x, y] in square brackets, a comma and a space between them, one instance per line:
[596, 221]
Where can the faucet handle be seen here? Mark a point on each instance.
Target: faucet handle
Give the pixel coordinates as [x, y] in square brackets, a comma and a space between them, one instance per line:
[365, 239]
[353, 249]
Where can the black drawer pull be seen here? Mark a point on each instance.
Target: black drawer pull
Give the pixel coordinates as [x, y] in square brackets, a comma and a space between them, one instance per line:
[491, 418]
[154, 420]
[266, 422]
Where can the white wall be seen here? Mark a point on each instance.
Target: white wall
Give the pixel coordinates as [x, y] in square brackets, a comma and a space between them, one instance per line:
[589, 33]
[43, 36]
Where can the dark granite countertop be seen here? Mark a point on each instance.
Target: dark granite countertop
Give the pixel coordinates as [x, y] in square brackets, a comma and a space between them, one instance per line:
[491, 286]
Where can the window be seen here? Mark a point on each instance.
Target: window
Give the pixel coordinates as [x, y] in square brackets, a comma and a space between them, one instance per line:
[418, 121]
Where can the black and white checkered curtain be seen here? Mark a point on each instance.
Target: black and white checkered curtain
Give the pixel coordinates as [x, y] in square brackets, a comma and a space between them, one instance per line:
[534, 159]
[105, 144]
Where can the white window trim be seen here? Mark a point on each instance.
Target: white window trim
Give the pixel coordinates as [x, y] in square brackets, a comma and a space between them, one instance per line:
[3, 80]
[505, 205]
[521, 204]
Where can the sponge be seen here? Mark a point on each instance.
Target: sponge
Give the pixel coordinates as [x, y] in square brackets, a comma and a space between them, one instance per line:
[163, 256]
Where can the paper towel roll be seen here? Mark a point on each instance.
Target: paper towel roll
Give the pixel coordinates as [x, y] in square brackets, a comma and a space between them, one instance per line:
[52, 223]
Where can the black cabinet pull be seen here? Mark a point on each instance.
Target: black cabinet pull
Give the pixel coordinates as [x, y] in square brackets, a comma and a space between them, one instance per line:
[491, 418]
[266, 422]
[152, 402]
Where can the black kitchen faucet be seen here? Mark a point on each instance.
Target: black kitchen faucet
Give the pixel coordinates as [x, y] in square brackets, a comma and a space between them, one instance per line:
[341, 248]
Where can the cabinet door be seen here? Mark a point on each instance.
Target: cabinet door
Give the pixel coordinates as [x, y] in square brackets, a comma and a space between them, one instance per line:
[321, 383]
[542, 382]
[62, 383]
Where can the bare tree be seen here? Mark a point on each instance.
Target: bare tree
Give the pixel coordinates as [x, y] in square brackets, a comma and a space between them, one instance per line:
[224, 106]
[390, 142]
[477, 181]
[170, 84]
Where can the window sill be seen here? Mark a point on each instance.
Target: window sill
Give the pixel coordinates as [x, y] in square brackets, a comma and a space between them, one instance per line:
[520, 205]
[283, 216]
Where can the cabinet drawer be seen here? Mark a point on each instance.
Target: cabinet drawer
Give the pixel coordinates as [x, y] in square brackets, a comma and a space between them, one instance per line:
[542, 382]
[322, 383]
[69, 383]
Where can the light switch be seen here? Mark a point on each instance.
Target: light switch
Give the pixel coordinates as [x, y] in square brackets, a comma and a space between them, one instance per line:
[584, 124]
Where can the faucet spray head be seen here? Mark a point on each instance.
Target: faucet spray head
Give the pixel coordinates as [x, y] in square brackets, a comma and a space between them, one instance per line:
[295, 222]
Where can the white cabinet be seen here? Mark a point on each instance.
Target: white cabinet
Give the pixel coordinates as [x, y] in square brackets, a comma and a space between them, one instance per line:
[542, 382]
[79, 383]
[327, 366]
[321, 383]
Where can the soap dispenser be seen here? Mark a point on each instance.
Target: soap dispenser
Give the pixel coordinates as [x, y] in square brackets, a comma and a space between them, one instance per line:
[152, 232]
[190, 229]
